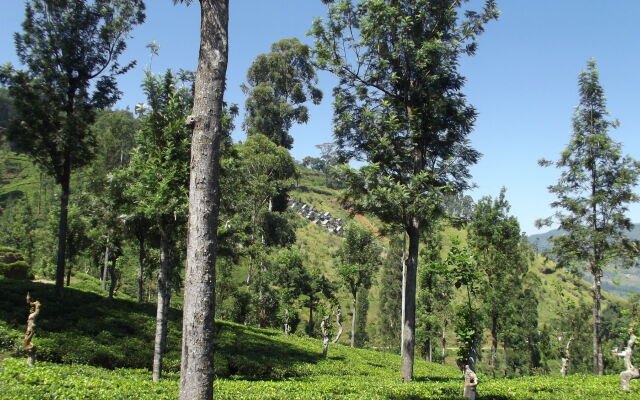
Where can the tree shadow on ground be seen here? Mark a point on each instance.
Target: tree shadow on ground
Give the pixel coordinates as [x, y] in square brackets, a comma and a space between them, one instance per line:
[249, 354]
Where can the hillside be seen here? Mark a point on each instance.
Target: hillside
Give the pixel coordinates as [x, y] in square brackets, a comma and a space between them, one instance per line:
[251, 363]
[18, 176]
[554, 286]
[621, 282]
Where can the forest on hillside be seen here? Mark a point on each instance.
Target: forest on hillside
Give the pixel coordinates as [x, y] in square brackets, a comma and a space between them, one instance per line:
[134, 229]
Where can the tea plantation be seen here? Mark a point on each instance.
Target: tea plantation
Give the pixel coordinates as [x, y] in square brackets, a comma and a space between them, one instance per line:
[94, 348]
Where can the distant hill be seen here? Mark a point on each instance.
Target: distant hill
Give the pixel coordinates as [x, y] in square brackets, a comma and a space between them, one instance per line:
[621, 283]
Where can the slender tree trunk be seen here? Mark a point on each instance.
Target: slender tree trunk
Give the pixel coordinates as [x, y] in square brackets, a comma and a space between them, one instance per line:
[505, 348]
[286, 322]
[409, 273]
[470, 383]
[353, 319]
[339, 322]
[325, 336]
[494, 339]
[598, 366]
[105, 269]
[164, 295]
[196, 374]
[429, 350]
[140, 269]
[62, 226]
[310, 328]
[114, 278]
[566, 357]
[30, 348]
[69, 274]
[443, 350]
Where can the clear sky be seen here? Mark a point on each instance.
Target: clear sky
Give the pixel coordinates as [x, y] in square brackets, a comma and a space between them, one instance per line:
[523, 80]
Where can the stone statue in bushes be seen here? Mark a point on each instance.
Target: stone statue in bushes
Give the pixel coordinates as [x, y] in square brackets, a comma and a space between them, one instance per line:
[30, 348]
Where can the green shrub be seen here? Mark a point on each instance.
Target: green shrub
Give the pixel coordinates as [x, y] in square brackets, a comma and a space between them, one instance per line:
[12, 264]
[19, 270]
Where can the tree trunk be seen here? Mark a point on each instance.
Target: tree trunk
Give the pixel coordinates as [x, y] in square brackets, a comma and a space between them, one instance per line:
[494, 340]
[470, 383]
[443, 350]
[409, 272]
[473, 357]
[339, 322]
[598, 366]
[631, 372]
[310, 326]
[30, 348]
[114, 278]
[325, 336]
[429, 356]
[62, 227]
[141, 269]
[196, 374]
[105, 269]
[164, 295]
[287, 329]
[353, 319]
[566, 357]
[505, 349]
[69, 274]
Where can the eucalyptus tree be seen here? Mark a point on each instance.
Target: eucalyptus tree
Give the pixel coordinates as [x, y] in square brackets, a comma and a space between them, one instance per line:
[196, 367]
[356, 263]
[71, 50]
[399, 106]
[279, 83]
[157, 180]
[594, 191]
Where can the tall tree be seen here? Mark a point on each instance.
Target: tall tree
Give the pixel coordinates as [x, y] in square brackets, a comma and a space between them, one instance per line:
[495, 237]
[593, 193]
[265, 170]
[391, 295]
[357, 261]
[71, 50]
[435, 294]
[468, 324]
[293, 280]
[196, 368]
[157, 182]
[399, 106]
[278, 85]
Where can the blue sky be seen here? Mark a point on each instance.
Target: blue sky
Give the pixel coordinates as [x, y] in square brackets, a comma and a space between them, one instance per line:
[523, 80]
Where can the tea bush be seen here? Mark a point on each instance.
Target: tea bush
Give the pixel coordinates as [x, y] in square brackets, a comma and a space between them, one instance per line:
[250, 363]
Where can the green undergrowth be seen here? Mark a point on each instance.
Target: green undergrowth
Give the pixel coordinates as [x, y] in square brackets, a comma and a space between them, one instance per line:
[116, 338]
[365, 379]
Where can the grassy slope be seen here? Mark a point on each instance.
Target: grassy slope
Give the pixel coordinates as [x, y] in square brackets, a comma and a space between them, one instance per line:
[251, 363]
[19, 175]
